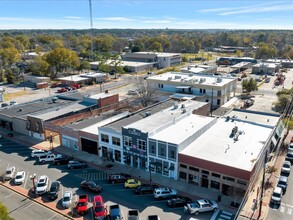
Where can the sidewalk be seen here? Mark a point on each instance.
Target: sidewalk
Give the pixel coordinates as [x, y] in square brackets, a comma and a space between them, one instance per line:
[184, 188]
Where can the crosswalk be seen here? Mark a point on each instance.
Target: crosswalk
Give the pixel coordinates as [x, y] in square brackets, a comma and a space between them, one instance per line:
[93, 176]
[286, 209]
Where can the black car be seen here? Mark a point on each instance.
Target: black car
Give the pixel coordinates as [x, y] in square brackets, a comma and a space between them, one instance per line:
[75, 164]
[118, 177]
[60, 160]
[178, 201]
[54, 190]
[145, 189]
[289, 157]
[92, 186]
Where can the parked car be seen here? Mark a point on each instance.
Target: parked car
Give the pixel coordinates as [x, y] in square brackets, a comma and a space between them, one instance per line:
[289, 157]
[118, 178]
[133, 214]
[75, 164]
[286, 167]
[67, 199]
[13, 103]
[42, 185]
[54, 190]
[131, 183]
[48, 158]
[145, 189]
[290, 147]
[100, 211]
[132, 92]
[9, 173]
[202, 205]
[92, 186]
[19, 178]
[178, 201]
[153, 217]
[37, 153]
[63, 89]
[164, 193]
[277, 195]
[82, 203]
[115, 212]
[61, 160]
[282, 183]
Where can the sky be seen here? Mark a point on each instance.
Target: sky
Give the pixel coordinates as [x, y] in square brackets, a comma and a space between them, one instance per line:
[146, 14]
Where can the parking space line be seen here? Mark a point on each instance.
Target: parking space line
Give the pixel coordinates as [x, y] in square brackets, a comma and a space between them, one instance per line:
[289, 212]
[282, 209]
[52, 217]
[32, 203]
[26, 177]
[9, 195]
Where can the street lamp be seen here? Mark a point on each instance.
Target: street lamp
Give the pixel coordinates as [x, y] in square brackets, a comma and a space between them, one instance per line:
[32, 177]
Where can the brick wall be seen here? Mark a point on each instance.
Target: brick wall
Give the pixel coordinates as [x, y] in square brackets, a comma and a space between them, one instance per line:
[204, 110]
[109, 100]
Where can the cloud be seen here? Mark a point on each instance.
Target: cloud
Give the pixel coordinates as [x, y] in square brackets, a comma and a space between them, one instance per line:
[72, 17]
[157, 21]
[115, 19]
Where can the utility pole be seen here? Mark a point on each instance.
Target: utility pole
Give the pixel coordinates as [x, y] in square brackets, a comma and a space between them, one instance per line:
[92, 30]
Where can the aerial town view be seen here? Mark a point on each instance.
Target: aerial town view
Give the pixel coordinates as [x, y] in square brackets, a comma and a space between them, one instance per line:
[146, 110]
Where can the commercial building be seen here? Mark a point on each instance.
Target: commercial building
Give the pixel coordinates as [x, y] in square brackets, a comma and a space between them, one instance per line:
[161, 60]
[199, 69]
[228, 156]
[234, 60]
[266, 68]
[208, 88]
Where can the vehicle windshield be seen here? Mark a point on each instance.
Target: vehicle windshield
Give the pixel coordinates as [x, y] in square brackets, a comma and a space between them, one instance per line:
[8, 172]
[41, 184]
[282, 182]
[66, 199]
[286, 166]
[99, 209]
[276, 194]
[81, 204]
[194, 205]
[18, 177]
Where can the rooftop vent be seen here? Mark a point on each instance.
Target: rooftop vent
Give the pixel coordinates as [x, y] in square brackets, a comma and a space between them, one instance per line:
[234, 131]
[146, 114]
[55, 99]
[219, 80]
[177, 77]
[170, 78]
[183, 110]
[182, 106]
[175, 105]
[20, 110]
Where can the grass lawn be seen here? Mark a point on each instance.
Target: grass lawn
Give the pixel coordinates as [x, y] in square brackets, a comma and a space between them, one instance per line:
[10, 96]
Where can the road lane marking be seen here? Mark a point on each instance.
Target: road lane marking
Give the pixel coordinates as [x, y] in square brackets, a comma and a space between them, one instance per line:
[289, 212]
[282, 209]
[26, 177]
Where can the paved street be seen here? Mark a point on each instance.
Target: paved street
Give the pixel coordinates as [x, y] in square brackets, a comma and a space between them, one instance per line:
[14, 154]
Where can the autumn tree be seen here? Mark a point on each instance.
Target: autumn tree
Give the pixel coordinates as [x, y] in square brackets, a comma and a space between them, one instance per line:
[4, 215]
[39, 67]
[60, 60]
[146, 92]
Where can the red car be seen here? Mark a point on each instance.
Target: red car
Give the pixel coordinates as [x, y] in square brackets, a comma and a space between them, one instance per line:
[82, 204]
[100, 210]
[63, 89]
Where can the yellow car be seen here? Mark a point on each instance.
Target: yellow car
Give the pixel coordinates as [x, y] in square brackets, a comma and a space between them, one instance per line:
[132, 183]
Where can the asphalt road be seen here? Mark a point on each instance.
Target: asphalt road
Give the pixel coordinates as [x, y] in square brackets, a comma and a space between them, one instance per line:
[20, 207]
[285, 210]
[15, 154]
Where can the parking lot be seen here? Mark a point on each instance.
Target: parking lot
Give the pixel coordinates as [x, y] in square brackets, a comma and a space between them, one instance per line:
[14, 154]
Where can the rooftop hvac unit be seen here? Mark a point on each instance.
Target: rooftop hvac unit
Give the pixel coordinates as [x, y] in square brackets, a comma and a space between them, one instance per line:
[195, 80]
[175, 105]
[183, 110]
[201, 80]
[170, 78]
[177, 77]
[219, 80]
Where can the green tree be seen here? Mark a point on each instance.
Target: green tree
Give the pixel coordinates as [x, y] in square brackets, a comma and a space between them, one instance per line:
[156, 46]
[249, 85]
[39, 67]
[4, 215]
[60, 60]
[9, 76]
[85, 65]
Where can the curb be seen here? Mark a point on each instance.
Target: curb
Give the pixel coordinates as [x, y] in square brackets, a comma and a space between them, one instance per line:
[40, 203]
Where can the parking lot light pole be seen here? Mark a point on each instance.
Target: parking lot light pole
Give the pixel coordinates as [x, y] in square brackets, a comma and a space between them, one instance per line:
[33, 177]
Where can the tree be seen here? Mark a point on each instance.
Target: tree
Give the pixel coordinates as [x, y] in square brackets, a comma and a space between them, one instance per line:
[4, 213]
[156, 46]
[284, 97]
[39, 67]
[9, 76]
[61, 59]
[146, 92]
[85, 65]
[249, 85]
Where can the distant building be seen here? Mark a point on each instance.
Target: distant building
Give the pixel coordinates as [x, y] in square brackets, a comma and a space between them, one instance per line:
[266, 68]
[234, 60]
[161, 60]
[199, 69]
[208, 88]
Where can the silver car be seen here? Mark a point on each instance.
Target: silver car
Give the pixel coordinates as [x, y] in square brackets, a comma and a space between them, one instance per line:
[67, 199]
[9, 173]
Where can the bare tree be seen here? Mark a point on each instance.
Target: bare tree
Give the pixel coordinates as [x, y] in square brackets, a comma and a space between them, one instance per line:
[146, 92]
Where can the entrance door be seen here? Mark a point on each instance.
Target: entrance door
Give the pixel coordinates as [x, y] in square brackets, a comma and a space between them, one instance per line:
[89, 146]
[204, 181]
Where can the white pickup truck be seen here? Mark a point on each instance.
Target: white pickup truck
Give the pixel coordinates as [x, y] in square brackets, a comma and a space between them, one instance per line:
[48, 158]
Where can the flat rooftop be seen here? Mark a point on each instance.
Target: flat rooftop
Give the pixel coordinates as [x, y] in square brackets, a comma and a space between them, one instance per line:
[262, 118]
[217, 146]
[126, 63]
[185, 78]
[73, 78]
[182, 129]
[32, 107]
[62, 110]
[159, 54]
[136, 116]
[166, 116]
[101, 95]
